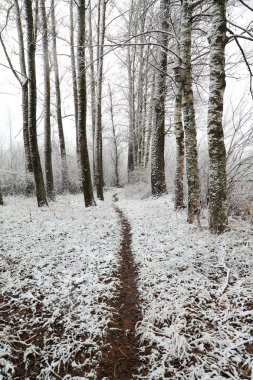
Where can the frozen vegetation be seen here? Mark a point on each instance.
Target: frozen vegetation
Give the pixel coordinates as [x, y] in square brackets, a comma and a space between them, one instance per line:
[58, 270]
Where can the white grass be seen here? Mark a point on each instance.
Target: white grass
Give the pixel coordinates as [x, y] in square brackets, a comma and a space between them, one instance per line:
[60, 259]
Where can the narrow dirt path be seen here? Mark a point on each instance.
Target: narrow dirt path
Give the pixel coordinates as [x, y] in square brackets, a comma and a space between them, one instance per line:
[120, 359]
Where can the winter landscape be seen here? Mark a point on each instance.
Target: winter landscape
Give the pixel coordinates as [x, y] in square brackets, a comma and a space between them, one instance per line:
[126, 189]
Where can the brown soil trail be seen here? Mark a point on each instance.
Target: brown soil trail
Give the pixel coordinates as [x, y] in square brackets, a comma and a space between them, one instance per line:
[120, 359]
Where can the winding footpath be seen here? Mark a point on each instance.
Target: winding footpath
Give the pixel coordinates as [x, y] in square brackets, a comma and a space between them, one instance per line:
[120, 355]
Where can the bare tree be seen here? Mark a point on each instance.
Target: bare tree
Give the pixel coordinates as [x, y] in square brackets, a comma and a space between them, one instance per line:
[73, 70]
[216, 147]
[187, 7]
[64, 166]
[23, 81]
[98, 131]
[115, 139]
[32, 104]
[47, 105]
[82, 106]
[158, 183]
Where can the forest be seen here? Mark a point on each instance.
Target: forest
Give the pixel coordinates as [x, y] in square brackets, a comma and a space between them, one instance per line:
[126, 189]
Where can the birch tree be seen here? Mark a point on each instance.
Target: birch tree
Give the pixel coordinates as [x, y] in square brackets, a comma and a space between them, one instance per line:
[82, 106]
[158, 183]
[47, 104]
[98, 131]
[32, 104]
[22, 79]
[193, 183]
[64, 165]
[73, 70]
[218, 221]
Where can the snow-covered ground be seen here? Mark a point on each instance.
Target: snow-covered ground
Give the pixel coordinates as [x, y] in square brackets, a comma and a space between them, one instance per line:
[57, 268]
[197, 292]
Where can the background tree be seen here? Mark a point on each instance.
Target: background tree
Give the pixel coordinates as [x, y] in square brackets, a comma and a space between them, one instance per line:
[158, 183]
[64, 165]
[82, 106]
[47, 104]
[32, 104]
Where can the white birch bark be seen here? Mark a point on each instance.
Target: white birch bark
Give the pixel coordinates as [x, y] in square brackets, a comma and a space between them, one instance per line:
[217, 153]
[189, 114]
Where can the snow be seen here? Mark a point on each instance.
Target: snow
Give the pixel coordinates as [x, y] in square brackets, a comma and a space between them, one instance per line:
[196, 290]
[56, 269]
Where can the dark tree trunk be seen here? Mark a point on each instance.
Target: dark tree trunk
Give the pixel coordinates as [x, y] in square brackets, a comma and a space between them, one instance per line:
[73, 69]
[218, 220]
[47, 104]
[64, 166]
[158, 183]
[82, 107]
[1, 198]
[32, 105]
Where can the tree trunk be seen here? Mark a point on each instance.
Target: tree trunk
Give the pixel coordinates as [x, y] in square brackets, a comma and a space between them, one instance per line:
[32, 105]
[64, 166]
[73, 69]
[115, 142]
[150, 122]
[179, 133]
[93, 93]
[82, 107]
[47, 104]
[1, 198]
[189, 116]
[98, 132]
[24, 85]
[158, 183]
[218, 221]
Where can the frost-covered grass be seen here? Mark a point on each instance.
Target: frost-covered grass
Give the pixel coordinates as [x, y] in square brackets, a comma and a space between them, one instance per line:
[57, 268]
[197, 293]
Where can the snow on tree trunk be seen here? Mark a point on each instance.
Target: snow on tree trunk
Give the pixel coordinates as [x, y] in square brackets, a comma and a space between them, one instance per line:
[82, 106]
[73, 70]
[98, 131]
[179, 133]
[218, 221]
[24, 84]
[64, 165]
[32, 105]
[158, 183]
[189, 115]
[92, 92]
[47, 105]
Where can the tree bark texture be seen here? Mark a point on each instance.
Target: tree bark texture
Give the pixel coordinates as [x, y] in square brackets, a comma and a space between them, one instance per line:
[189, 115]
[32, 106]
[98, 131]
[93, 93]
[115, 140]
[158, 183]
[218, 220]
[47, 105]
[82, 107]
[24, 86]
[179, 134]
[1, 198]
[64, 165]
[73, 70]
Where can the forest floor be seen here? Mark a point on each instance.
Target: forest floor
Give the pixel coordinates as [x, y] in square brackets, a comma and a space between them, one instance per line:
[124, 290]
